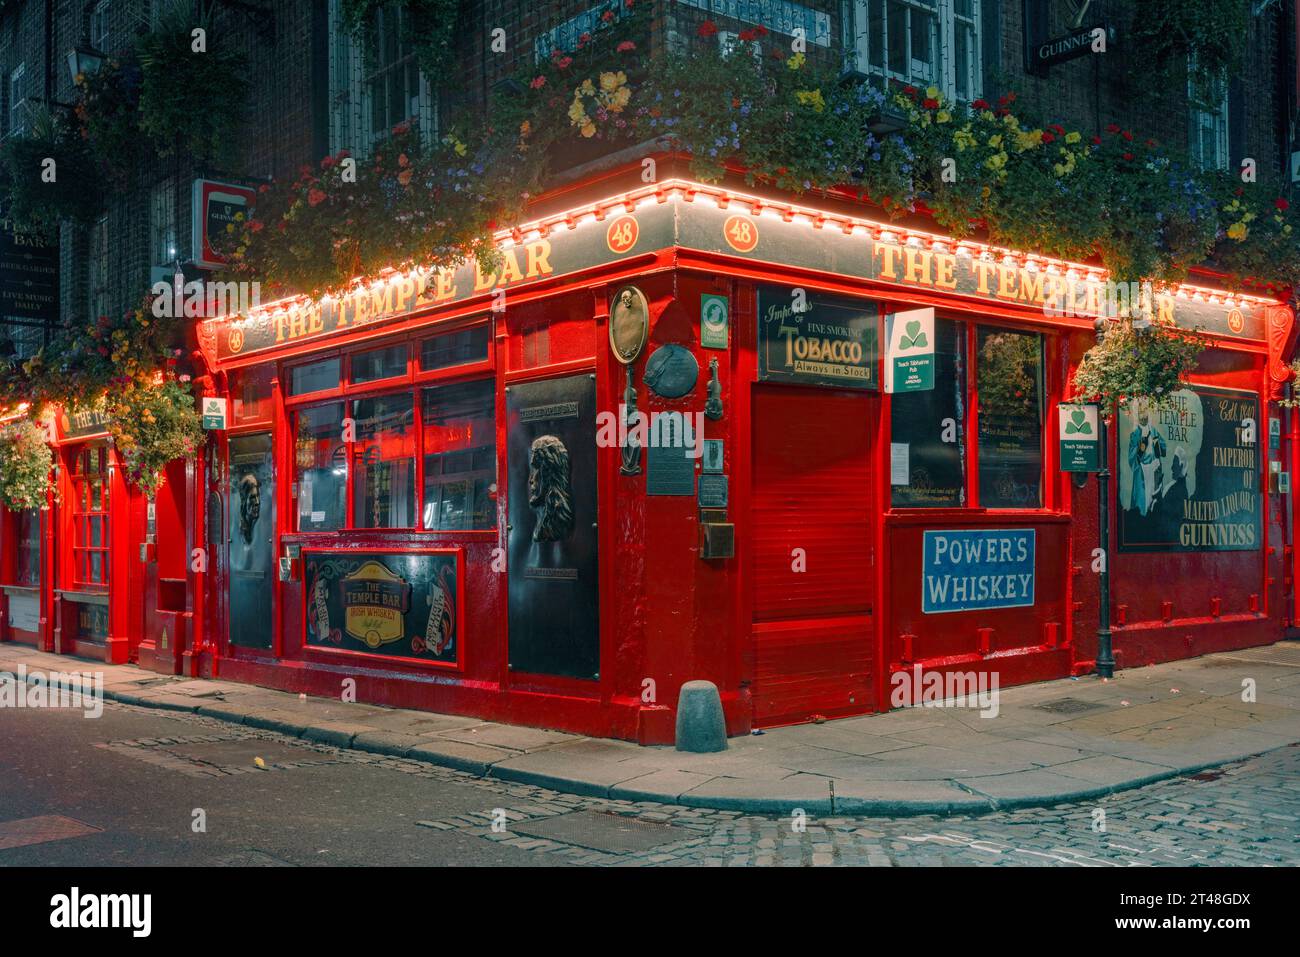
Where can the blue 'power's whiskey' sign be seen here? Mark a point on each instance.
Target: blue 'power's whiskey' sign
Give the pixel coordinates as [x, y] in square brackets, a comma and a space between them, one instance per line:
[969, 569]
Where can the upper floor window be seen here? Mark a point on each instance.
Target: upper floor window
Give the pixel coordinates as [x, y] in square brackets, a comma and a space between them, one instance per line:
[375, 82]
[99, 25]
[162, 223]
[1207, 136]
[97, 269]
[18, 99]
[919, 42]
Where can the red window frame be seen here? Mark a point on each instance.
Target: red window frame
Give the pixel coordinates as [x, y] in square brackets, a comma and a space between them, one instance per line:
[91, 462]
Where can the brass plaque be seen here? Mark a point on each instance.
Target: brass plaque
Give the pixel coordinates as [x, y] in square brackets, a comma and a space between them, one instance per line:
[629, 324]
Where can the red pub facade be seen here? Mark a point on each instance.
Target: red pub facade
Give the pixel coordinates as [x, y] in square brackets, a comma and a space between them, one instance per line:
[845, 463]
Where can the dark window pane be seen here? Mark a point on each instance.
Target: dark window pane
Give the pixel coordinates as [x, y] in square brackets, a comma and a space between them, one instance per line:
[251, 394]
[320, 467]
[314, 377]
[379, 364]
[922, 420]
[383, 495]
[460, 460]
[455, 348]
[29, 547]
[1010, 373]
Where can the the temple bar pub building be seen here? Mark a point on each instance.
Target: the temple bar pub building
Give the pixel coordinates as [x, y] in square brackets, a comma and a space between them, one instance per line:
[426, 484]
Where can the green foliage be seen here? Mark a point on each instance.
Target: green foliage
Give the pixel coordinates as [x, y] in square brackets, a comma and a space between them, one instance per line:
[193, 92]
[153, 424]
[108, 111]
[25, 465]
[428, 26]
[1209, 36]
[35, 195]
[1136, 360]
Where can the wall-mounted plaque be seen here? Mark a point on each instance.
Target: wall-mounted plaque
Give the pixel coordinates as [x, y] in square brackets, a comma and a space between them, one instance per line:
[396, 604]
[713, 491]
[670, 470]
[712, 458]
[671, 371]
[629, 323]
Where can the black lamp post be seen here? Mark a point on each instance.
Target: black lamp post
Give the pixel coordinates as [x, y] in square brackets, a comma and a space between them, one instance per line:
[1105, 650]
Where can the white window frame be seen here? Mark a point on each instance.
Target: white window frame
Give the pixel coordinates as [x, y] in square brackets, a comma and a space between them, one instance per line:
[1201, 120]
[351, 99]
[943, 31]
[17, 99]
[99, 25]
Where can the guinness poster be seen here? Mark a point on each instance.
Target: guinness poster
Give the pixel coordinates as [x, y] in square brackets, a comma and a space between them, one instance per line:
[551, 461]
[811, 339]
[1188, 479]
[398, 604]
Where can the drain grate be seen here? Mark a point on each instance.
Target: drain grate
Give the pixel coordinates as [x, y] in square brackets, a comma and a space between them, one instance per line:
[39, 830]
[1068, 706]
[600, 831]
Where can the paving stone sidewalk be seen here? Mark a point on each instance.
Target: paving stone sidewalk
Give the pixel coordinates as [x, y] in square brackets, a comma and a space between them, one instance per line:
[1052, 742]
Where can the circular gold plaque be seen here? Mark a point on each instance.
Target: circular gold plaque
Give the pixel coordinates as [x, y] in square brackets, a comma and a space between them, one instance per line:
[629, 324]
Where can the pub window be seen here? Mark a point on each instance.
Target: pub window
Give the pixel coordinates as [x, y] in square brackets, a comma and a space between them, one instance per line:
[90, 516]
[251, 394]
[927, 428]
[18, 99]
[162, 222]
[1208, 123]
[97, 268]
[379, 363]
[315, 376]
[460, 457]
[455, 348]
[383, 476]
[1010, 440]
[28, 571]
[99, 25]
[320, 467]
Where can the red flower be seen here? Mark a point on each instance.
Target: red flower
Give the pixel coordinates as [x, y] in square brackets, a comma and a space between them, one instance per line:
[1128, 157]
[1048, 137]
[607, 16]
[706, 29]
[315, 197]
[1112, 127]
[584, 39]
[1281, 204]
[627, 46]
[538, 82]
[1127, 135]
[564, 62]
[1059, 128]
[930, 104]
[980, 104]
[264, 188]
[327, 162]
[1096, 141]
[256, 225]
[909, 90]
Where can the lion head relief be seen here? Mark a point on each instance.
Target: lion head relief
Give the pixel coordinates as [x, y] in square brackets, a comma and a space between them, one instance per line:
[550, 493]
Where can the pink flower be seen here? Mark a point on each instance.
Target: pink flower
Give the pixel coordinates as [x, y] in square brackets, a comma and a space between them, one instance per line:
[626, 46]
[538, 82]
[707, 29]
[316, 197]
[564, 62]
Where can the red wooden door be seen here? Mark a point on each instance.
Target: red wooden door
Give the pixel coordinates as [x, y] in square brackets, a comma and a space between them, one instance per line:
[812, 631]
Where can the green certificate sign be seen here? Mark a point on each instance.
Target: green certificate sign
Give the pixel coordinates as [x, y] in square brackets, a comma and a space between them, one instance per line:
[1078, 435]
[909, 358]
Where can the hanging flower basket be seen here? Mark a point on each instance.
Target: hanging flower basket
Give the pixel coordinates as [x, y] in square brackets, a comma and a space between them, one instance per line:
[47, 176]
[1136, 359]
[152, 425]
[25, 465]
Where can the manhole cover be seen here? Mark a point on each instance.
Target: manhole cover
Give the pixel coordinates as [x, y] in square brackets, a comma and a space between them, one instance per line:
[39, 830]
[225, 754]
[1068, 706]
[602, 832]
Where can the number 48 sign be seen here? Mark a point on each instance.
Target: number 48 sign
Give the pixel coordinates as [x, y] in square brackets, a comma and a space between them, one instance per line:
[1078, 433]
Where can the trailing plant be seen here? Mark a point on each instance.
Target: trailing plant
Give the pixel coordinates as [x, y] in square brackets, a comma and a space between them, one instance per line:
[153, 423]
[25, 466]
[1009, 371]
[47, 176]
[427, 26]
[1208, 37]
[108, 111]
[1136, 359]
[83, 361]
[193, 92]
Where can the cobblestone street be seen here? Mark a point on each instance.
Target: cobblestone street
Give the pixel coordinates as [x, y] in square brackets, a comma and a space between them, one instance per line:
[364, 808]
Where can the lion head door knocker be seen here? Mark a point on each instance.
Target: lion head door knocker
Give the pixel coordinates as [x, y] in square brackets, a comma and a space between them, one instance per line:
[250, 505]
[713, 405]
[550, 492]
[629, 327]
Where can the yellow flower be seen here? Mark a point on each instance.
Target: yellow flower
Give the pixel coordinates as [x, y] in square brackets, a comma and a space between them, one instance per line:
[619, 99]
[1072, 137]
[1237, 231]
[525, 128]
[932, 92]
[943, 116]
[612, 81]
[589, 130]
[811, 98]
[995, 141]
[796, 62]
[577, 115]
[587, 87]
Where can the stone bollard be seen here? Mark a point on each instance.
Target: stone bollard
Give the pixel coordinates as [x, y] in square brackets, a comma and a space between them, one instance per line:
[700, 725]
